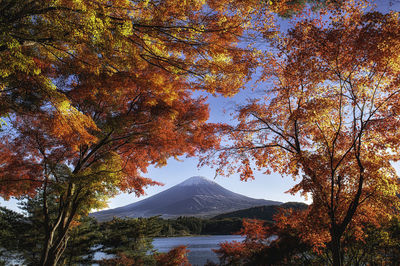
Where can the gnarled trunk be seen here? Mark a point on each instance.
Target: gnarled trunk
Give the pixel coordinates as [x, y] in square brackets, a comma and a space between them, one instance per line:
[53, 249]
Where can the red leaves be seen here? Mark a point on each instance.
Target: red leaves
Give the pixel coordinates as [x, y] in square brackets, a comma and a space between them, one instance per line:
[175, 257]
[245, 170]
[254, 230]
[232, 252]
[240, 252]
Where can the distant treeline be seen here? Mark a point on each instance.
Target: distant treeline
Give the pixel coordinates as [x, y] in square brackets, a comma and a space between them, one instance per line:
[262, 212]
[223, 224]
[198, 226]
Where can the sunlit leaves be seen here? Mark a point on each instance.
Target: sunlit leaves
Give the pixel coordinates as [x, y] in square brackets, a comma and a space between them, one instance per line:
[43, 43]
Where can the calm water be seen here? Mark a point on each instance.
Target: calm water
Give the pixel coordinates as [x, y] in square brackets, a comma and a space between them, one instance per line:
[200, 246]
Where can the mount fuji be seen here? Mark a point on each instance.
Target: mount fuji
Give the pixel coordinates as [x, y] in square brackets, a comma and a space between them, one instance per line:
[196, 196]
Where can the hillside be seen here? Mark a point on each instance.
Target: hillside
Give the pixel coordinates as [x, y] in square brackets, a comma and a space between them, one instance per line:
[261, 212]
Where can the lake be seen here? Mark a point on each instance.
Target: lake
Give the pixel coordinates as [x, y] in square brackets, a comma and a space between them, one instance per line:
[200, 246]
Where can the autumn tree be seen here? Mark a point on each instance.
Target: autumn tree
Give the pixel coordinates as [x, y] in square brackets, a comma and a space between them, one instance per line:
[175, 257]
[330, 118]
[267, 244]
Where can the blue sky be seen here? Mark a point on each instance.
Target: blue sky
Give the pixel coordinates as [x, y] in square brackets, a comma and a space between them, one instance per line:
[271, 187]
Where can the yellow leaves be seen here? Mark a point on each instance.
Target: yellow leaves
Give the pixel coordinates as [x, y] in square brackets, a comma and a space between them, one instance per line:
[386, 184]
[126, 28]
[224, 58]
[101, 180]
[65, 107]
[146, 3]
[209, 78]
[95, 26]
[159, 80]
[15, 61]
[152, 102]
[80, 4]
[2, 123]
[4, 73]
[173, 115]
[222, 20]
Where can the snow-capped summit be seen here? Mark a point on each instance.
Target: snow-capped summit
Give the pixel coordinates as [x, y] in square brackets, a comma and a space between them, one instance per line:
[196, 196]
[196, 180]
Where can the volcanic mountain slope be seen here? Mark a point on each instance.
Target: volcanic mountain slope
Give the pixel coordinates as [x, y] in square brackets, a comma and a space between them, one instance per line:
[196, 196]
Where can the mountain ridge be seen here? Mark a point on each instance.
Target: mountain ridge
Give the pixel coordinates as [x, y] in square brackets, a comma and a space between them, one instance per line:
[261, 212]
[196, 196]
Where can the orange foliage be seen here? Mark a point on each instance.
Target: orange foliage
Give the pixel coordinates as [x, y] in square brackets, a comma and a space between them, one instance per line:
[278, 243]
[175, 257]
[253, 230]
[232, 252]
[240, 252]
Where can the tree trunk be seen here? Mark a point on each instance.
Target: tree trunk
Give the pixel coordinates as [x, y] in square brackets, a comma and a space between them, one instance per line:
[336, 250]
[46, 248]
[53, 256]
[53, 249]
[51, 260]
